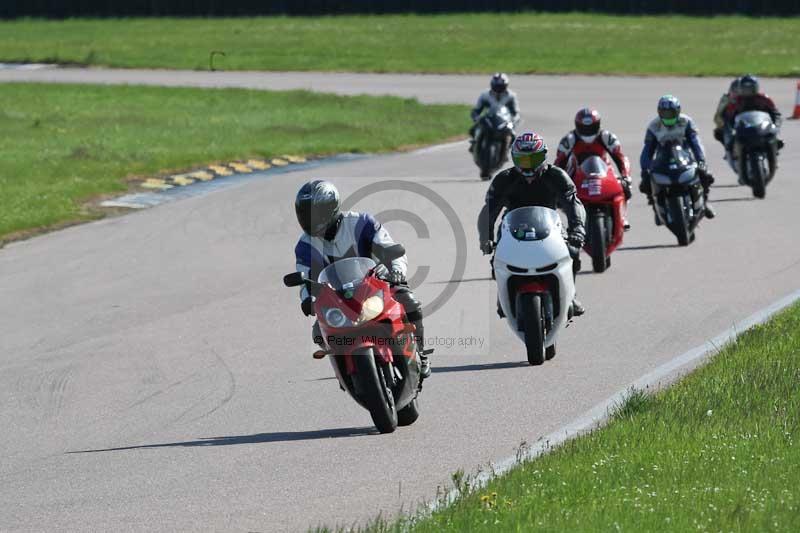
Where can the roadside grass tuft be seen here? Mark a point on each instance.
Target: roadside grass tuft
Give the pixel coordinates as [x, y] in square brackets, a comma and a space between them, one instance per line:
[718, 451]
[529, 42]
[63, 145]
[636, 402]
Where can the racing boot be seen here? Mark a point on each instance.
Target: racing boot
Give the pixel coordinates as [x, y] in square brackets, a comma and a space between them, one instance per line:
[424, 365]
[709, 211]
[316, 335]
[577, 307]
[424, 361]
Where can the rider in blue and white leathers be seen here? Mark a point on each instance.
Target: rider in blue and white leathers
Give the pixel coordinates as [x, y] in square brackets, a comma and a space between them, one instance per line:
[672, 126]
[330, 235]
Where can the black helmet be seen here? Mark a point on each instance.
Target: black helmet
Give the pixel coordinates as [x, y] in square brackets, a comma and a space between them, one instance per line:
[317, 206]
[499, 83]
[748, 85]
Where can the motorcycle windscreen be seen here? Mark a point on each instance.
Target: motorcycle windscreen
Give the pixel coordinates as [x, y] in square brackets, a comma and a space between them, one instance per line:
[346, 274]
[594, 166]
[499, 117]
[752, 119]
[672, 158]
[531, 223]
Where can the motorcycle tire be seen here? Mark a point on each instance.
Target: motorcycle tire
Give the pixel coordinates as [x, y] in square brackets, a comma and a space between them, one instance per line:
[377, 395]
[597, 241]
[550, 352]
[533, 326]
[758, 180]
[408, 414]
[679, 225]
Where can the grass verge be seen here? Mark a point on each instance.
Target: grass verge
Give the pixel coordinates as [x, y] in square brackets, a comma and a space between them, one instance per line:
[716, 452]
[480, 43]
[64, 145]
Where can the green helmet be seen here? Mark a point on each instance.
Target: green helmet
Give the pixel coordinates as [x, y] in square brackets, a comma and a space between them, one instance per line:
[669, 109]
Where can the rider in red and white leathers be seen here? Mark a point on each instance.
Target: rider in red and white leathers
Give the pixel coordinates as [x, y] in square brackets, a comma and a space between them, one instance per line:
[588, 139]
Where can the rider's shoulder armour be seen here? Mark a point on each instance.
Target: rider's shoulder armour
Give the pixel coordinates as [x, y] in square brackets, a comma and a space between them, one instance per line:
[664, 133]
[567, 142]
[610, 140]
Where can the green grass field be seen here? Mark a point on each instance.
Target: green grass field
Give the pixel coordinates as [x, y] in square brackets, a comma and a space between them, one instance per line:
[480, 43]
[719, 451]
[63, 145]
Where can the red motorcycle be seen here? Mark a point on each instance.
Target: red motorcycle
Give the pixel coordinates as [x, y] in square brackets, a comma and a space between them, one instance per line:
[604, 200]
[370, 342]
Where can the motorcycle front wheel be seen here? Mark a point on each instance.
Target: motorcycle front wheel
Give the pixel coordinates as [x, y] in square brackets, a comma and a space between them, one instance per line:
[597, 241]
[376, 393]
[679, 225]
[408, 414]
[533, 326]
[758, 178]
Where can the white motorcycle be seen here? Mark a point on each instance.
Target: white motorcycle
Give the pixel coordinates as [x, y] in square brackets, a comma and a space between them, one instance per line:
[535, 284]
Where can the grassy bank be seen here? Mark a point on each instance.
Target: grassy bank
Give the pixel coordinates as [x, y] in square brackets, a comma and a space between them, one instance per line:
[480, 43]
[63, 145]
[716, 452]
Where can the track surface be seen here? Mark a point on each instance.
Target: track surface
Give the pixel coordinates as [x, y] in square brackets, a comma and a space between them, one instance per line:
[163, 347]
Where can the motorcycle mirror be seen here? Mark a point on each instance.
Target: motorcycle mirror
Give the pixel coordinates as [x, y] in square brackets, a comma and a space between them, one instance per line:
[295, 279]
[388, 253]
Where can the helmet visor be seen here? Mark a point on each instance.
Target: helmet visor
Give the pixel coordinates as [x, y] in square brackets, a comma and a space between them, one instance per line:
[668, 116]
[748, 89]
[587, 130]
[313, 222]
[529, 161]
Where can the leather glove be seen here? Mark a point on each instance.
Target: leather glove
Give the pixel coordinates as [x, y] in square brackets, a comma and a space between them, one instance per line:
[394, 277]
[718, 134]
[307, 305]
[381, 272]
[701, 166]
[487, 247]
[575, 241]
[625, 181]
[644, 185]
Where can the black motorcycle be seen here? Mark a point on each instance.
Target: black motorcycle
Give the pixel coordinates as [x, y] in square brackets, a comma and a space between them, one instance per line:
[755, 150]
[677, 191]
[493, 135]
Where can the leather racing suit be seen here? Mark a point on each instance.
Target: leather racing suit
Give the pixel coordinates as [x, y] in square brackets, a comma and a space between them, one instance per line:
[683, 132]
[353, 235]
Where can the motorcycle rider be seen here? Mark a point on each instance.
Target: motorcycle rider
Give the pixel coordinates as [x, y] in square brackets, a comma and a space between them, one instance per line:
[673, 126]
[330, 235]
[719, 115]
[588, 139]
[497, 96]
[748, 97]
[532, 182]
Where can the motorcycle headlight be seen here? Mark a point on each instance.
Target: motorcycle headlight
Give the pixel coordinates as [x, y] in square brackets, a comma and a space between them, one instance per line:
[372, 307]
[336, 318]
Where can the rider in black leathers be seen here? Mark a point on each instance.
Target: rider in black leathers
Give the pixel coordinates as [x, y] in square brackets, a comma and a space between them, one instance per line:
[532, 182]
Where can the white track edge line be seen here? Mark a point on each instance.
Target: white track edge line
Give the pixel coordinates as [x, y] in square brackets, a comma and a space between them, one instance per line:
[598, 415]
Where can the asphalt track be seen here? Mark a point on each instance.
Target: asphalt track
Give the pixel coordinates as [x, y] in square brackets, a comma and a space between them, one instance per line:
[156, 375]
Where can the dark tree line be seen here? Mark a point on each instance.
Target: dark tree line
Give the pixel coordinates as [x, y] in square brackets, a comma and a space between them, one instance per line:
[211, 8]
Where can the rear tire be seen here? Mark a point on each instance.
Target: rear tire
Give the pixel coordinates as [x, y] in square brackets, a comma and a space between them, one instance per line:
[597, 241]
[376, 394]
[408, 414]
[757, 178]
[679, 225]
[550, 352]
[533, 326]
